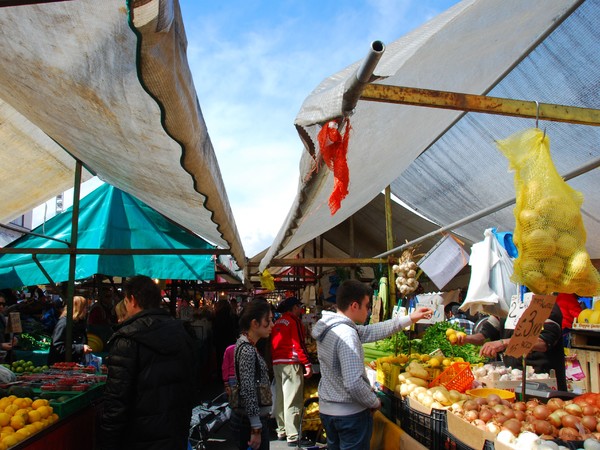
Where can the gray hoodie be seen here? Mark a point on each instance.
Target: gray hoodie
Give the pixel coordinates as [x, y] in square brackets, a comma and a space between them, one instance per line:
[344, 388]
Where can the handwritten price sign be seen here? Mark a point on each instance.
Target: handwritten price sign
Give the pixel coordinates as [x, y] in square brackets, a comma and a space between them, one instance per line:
[530, 325]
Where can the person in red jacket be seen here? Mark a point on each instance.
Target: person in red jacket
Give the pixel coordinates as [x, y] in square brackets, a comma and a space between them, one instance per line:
[290, 366]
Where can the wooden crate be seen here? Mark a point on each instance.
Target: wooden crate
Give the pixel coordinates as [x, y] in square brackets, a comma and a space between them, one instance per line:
[586, 339]
[590, 363]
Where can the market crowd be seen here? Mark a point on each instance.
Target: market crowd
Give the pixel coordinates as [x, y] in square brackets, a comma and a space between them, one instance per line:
[161, 353]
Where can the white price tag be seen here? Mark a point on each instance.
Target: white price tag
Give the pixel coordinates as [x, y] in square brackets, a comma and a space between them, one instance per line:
[431, 302]
[518, 305]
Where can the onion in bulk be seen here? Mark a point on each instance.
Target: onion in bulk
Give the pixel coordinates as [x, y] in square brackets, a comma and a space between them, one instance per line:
[555, 403]
[541, 412]
[469, 405]
[574, 409]
[589, 410]
[569, 434]
[509, 413]
[493, 399]
[542, 427]
[520, 406]
[481, 401]
[471, 415]
[570, 421]
[555, 418]
[590, 422]
[500, 418]
[512, 425]
[486, 414]
[532, 404]
[520, 415]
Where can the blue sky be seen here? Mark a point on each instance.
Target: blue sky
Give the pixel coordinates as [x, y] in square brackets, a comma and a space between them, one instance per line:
[253, 63]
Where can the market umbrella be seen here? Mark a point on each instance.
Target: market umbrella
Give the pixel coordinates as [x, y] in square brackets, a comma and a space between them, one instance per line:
[470, 48]
[108, 219]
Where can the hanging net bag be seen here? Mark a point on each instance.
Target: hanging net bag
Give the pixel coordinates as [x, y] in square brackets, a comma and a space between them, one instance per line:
[549, 231]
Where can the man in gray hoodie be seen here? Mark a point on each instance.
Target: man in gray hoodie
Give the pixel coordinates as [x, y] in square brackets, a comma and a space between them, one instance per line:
[346, 399]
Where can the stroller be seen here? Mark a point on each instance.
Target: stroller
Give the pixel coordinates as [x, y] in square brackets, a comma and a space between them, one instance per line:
[206, 418]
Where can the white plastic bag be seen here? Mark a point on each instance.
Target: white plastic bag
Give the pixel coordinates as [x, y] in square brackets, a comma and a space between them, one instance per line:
[490, 288]
[6, 375]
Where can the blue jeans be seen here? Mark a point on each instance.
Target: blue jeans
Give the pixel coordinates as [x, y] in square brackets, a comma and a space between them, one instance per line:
[351, 432]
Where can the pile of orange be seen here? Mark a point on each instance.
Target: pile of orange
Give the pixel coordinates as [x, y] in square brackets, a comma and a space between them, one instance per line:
[22, 417]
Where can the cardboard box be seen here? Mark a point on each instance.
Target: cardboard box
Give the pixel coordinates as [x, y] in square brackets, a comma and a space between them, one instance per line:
[468, 434]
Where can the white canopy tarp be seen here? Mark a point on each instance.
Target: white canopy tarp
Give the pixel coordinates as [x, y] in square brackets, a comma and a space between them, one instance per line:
[469, 48]
[108, 83]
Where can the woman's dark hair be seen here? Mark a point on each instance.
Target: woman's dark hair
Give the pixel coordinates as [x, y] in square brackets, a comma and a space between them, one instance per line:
[145, 291]
[351, 291]
[254, 310]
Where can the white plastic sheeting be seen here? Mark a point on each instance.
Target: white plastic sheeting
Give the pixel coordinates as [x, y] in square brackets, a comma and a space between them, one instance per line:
[469, 48]
[119, 96]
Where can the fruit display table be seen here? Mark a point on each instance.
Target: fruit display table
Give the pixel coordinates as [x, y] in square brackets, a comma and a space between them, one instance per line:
[75, 432]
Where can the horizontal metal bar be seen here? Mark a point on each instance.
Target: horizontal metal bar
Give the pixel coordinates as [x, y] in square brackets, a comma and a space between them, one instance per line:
[115, 251]
[22, 231]
[323, 262]
[480, 103]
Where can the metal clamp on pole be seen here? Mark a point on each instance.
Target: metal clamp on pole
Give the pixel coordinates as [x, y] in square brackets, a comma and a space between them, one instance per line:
[362, 77]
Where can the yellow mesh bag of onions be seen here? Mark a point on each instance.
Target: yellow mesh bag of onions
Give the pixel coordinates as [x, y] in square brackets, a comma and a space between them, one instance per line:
[549, 231]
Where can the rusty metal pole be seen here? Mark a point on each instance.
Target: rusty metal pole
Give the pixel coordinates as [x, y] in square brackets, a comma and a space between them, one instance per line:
[389, 238]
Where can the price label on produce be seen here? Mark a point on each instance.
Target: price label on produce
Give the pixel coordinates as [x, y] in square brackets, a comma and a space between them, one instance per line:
[530, 325]
[432, 302]
[518, 305]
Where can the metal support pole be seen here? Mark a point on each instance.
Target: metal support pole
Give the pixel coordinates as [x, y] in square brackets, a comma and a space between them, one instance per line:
[72, 262]
[362, 77]
[389, 238]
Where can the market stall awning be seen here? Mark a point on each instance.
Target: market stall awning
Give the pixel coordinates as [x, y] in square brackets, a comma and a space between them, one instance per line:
[108, 219]
[108, 83]
[470, 48]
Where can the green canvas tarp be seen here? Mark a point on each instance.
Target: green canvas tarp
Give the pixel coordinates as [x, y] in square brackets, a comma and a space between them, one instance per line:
[108, 219]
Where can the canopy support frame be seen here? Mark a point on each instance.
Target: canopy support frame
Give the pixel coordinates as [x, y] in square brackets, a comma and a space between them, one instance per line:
[480, 103]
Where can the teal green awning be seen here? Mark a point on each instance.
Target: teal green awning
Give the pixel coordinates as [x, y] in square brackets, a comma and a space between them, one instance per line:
[108, 219]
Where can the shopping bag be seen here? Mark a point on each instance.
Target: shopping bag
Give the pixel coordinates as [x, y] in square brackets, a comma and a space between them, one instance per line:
[549, 231]
[490, 287]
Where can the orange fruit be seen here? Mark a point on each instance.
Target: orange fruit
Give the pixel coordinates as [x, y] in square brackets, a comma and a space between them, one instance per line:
[34, 416]
[22, 412]
[7, 430]
[39, 402]
[45, 411]
[4, 419]
[9, 441]
[11, 409]
[17, 422]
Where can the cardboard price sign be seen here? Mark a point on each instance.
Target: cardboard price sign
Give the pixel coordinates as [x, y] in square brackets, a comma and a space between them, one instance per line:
[530, 325]
[14, 323]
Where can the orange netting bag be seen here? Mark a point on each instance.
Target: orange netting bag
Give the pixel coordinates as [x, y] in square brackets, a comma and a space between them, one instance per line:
[549, 231]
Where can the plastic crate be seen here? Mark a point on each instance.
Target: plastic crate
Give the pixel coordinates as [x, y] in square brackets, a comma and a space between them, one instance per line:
[386, 404]
[457, 376]
[449, 442]
[72, 402]
[424, 428]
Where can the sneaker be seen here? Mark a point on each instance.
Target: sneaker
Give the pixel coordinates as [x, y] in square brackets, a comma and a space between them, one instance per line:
[301, 443]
